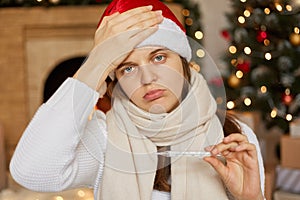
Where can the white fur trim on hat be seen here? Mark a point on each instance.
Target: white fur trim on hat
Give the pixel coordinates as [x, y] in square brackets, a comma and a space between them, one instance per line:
[170, 35]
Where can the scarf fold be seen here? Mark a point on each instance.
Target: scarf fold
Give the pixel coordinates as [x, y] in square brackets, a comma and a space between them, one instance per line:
[133, 137]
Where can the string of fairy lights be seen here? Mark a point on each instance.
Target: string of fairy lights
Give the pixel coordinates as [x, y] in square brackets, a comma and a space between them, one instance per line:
[241, 58]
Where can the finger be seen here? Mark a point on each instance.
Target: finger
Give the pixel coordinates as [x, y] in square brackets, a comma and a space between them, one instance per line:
[127, 15]
[222, 147]
[246, 147]
[141, 17]
[141, 35]
[226, 153]
[235, 137]
[147, 23]
[147, 19]
[217, 165]
[132, 38]
[143, 20]
[137, 10]
[209, 148]
[108, 18]
[122, 24]
[250, 148]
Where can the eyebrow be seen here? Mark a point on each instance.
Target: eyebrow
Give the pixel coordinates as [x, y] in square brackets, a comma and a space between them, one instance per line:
[157, 50]
[124, 63]
[150, 54]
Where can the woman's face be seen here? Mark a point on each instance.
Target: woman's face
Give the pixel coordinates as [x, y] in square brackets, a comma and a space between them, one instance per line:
[152, 77]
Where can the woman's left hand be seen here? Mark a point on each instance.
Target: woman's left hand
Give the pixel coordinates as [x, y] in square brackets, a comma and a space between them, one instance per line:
[240, 174]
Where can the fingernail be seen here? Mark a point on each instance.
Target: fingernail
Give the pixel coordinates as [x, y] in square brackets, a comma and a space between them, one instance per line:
[209, 148]
[150, 7]
[214, 151]
[158, 12]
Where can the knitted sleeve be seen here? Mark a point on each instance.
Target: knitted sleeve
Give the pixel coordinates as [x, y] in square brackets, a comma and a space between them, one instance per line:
[62, 148]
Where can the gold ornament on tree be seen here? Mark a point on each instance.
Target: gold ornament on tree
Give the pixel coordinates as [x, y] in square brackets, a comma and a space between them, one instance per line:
[233, 81]
[295, 39]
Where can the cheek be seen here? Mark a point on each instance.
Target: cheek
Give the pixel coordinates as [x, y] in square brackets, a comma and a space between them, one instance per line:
[172, 78]
[130, 85]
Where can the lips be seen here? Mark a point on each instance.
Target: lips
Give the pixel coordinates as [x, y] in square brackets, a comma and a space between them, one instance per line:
[154, 94]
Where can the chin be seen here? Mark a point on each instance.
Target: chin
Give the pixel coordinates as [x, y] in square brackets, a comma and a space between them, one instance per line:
[160, 108]
[157, 109]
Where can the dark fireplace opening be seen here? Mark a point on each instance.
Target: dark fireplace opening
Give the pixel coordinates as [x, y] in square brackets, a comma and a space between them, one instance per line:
[61, 72]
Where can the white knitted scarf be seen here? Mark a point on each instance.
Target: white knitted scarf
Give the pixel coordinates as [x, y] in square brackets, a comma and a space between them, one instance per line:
[133, 137]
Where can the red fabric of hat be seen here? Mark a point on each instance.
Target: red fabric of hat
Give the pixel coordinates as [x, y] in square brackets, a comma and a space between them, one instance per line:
[124, 5]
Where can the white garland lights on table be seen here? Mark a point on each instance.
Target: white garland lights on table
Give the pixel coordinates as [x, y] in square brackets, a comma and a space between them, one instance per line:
[24, 194]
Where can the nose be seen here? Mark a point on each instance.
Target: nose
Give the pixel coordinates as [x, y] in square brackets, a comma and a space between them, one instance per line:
[148, 75]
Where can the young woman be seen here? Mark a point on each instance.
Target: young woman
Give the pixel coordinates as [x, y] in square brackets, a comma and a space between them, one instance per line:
[158, 104]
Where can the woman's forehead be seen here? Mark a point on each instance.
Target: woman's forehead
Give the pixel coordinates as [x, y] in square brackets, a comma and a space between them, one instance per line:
[146, 51]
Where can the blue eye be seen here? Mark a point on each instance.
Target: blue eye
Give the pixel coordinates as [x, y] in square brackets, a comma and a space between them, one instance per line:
[159, 58]
[128, 69]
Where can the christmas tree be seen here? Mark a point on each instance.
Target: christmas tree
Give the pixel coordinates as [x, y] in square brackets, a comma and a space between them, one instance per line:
[263, 59]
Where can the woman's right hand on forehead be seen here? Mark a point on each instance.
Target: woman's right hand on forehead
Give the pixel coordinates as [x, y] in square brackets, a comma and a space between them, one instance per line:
[135, 20]
[115, 38]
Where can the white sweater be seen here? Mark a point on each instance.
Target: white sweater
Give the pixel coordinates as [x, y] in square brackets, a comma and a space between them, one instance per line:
[62, 148]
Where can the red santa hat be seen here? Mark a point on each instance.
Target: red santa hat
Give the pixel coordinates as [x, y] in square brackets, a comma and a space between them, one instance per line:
[170, 34]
